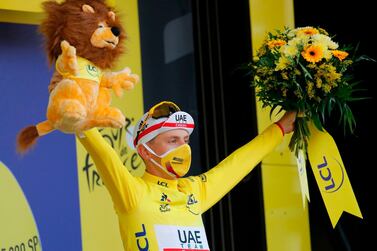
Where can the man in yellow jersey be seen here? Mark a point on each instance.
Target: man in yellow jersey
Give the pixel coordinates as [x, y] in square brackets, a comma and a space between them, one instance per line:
[161, 211]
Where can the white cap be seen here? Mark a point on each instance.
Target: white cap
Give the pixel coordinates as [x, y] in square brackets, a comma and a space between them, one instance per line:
[153, 127]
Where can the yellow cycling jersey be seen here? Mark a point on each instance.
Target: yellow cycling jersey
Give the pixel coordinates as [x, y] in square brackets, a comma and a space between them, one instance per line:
[86, 70]
[166, 215]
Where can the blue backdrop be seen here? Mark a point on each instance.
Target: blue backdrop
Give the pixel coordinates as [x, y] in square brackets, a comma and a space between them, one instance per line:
[47, 174]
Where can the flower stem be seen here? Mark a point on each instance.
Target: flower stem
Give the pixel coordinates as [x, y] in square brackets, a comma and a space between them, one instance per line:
[300, 137]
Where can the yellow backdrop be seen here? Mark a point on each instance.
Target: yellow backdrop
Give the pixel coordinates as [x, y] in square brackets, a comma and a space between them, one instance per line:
[98, 219]
[287, 223]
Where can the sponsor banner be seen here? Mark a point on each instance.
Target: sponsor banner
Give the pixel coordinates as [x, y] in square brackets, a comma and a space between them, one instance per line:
[331, 175]
[18, 230]
[181, 238]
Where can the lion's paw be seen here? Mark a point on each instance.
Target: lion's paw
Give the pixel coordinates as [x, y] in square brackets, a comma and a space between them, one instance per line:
[72, 111]
[110, 117]
[68, 59]
[125, 80]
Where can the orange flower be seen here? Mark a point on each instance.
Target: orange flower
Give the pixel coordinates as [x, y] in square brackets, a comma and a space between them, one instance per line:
[273, 43]
[340, 54]
[308, 31]
[313, 53]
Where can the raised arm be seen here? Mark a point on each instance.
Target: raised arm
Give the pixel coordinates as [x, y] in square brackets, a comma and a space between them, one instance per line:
[66, 64]
[218, 181]
[125, 190]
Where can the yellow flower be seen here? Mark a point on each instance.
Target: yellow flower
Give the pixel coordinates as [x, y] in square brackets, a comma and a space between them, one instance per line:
[329, 73]
[327, 54]
[327, 88]
[313, 53]
[340, 54]
[306, 31]
[318, 83]
[325, 40]
[284, 75]
[284, 92]
[291, 49]
[261, 51]
[324, 48]
[310, 90]
[311, 66]
[273, 43]
[282, 63]
[327, 77]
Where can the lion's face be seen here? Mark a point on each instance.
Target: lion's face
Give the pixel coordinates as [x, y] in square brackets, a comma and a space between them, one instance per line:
[90, 26]
[105, 36]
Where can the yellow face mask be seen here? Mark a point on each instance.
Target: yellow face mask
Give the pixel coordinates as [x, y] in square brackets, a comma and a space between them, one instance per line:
[175, 162]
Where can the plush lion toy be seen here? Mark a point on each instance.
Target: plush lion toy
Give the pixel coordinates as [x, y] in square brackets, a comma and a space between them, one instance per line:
[83, 39]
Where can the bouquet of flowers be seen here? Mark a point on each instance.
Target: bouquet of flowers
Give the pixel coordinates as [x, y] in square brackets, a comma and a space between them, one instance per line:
[304, 70]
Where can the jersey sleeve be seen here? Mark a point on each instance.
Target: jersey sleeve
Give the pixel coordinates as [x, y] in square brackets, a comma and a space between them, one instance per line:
[125, 189]
[219, 180]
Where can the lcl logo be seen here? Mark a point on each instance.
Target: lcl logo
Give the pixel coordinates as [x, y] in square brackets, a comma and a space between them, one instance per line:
[332, 176]
[142, 240]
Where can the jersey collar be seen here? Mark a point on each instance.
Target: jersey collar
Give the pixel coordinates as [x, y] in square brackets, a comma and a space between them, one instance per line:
[160, 181]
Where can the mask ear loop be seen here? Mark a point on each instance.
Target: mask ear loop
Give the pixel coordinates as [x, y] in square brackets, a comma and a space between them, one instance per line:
[155, 154]
[150, 150]
[157, 164]
[163, 169]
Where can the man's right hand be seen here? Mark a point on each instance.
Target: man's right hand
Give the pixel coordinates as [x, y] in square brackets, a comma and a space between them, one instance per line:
[287, 121]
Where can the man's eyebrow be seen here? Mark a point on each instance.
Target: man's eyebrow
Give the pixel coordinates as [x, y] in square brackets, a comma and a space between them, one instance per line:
[173, 137]
[178, 137]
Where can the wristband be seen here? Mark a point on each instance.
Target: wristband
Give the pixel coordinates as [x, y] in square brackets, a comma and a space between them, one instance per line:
[281, 127]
